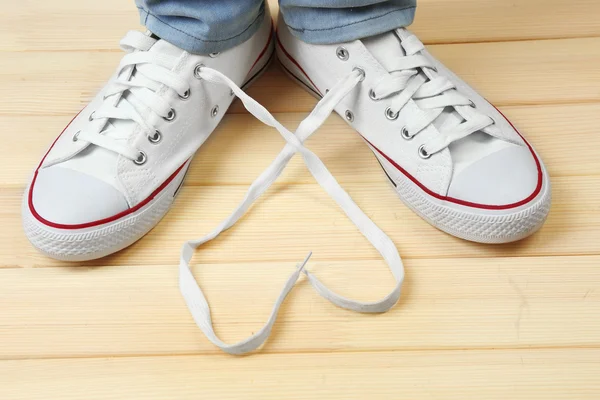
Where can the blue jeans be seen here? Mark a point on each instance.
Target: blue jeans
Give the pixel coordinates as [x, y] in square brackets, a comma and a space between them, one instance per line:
[205, 26]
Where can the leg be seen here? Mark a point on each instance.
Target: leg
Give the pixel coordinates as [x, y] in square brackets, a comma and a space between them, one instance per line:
[331, 21]
[202, 26]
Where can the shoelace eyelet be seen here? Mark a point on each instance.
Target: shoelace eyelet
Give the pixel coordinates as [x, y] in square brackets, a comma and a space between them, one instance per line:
[91, 117]
[424, 154]
[349, 116]
[170, 116]
[214, 112]
[391, 115]
[198, 71]
[76, 136]
[373, 95]
[405, 134]
[362, 72]
[186, 95]
[472, 104]
[214, 55]
[342, 53]
[155, 138]
[141, 158]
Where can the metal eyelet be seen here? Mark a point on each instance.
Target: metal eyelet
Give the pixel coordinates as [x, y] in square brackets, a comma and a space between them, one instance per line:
[391, 115]
[373, 95]
[342, 53]
[424, 154]
[349, 116]
[472, 104]
[155, 138]
[363, 74]
[214, 55]
[198, 71]
[170, 116]
[76, 136]
[141, 158]
[214, 112]
[91, 117]
[405, 134]
[186, 95]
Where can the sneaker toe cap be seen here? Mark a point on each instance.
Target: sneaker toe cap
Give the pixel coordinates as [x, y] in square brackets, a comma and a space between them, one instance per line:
[68, 197]
[505, 177]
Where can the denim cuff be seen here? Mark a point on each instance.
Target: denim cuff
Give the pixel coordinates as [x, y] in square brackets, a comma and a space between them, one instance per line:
[369, 26]
[179, 37]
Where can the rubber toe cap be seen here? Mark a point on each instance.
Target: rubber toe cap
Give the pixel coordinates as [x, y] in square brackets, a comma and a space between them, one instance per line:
[505, 177]
[67, 197]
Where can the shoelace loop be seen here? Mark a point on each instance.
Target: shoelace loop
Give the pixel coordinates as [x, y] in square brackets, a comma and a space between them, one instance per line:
[189, 287]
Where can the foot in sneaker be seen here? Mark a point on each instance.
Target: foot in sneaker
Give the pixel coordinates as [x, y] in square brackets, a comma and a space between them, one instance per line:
[452, 157]
[114, 171]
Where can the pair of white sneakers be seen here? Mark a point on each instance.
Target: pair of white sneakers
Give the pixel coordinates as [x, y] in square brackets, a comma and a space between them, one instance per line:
[115, 170]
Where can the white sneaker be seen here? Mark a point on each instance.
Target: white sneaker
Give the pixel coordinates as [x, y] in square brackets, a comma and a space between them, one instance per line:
[114, 171]
[452, 157]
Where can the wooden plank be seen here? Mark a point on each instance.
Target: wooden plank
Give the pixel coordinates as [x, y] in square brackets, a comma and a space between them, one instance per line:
[82, 25]
[564, 135]
[66, 25]
[519, 321]
[494, 375]
[508, 73]
[486, 303]
[294, 219]
[443, 21]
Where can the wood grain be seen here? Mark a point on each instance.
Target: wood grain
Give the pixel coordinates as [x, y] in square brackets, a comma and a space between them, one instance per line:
[519, 321]
[492, 303]
[455, 375]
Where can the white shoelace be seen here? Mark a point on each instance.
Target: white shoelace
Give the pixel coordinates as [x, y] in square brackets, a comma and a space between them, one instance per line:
[405, 82]
[127, 98]
[190, 290]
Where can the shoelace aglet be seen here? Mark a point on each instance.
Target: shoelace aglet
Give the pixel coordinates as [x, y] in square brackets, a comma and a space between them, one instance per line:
[303, 264]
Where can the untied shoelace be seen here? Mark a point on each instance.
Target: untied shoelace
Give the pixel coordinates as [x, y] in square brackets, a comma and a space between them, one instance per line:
[191, 291]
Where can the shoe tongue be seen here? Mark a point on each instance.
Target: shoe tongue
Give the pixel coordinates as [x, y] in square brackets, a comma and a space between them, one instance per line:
[387, 47]
[165, 48]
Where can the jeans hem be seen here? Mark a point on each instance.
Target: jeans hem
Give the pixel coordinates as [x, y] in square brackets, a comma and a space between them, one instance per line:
[194, 44]
[357, 30]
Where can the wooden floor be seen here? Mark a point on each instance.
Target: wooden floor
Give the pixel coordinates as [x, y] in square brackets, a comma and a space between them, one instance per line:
[520, 321]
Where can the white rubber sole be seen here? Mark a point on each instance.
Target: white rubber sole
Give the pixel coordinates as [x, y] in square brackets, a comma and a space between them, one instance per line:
[469, 223]
[101, 240]
[473, 224]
